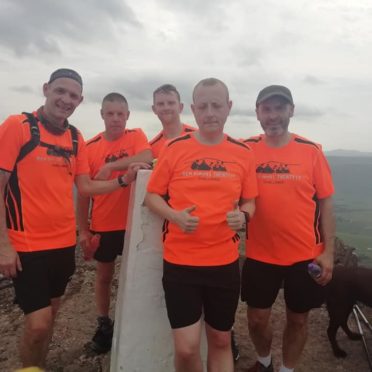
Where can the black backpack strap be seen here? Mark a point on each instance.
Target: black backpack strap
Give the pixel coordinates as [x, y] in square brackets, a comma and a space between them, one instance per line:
[35, 140]
[35, 136]
[75, 139]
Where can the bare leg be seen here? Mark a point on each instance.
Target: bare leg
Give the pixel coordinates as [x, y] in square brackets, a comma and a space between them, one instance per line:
[104, 275]
[294, 337]
[187, 348]
[260, 329]
[38, 330]
[55, 303]
[219, 350]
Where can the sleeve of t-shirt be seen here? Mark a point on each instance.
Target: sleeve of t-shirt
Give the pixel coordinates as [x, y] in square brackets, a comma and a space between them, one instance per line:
[82, 165]
[11, 142]
[250, 189]
[141, 142]
[161, 175]
[322, 177]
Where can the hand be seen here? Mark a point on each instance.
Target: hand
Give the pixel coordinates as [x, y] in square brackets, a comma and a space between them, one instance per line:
[185, 221]
[104, 173]
[235, 218]
[9, 261]
[89, 243]
[133, 168]
[325, 261]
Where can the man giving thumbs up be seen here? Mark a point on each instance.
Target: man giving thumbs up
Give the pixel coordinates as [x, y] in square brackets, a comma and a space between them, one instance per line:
[209, 182]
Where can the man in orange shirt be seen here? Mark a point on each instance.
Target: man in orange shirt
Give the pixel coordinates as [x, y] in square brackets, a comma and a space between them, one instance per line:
[292, 227]
[209, 182]
[167, 106]
[109, 212]
[42, 155]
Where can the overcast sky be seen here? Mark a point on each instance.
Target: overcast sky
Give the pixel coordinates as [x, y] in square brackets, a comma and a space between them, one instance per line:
[320, 49]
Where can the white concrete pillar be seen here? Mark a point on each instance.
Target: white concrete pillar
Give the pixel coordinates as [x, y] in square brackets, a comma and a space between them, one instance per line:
[142, 336]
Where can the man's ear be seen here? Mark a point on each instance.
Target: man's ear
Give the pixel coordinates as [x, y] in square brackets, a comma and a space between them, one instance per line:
[45, 89]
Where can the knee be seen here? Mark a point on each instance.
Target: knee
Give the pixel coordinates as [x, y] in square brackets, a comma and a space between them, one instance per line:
[38, 332]
[297, 321]
[257, 320]
[220, 340]
[187, 353]
[104, 275]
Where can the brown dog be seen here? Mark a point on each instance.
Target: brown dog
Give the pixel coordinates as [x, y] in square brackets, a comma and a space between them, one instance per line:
[348, 286]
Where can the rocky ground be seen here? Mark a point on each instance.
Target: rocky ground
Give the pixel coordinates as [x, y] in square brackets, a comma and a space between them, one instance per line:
[76, 323]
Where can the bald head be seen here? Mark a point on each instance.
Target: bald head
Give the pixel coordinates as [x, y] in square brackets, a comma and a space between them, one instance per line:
[208, 82]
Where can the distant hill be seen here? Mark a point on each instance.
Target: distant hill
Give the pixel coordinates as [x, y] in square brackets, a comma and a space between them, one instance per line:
[347, 153]
[352, 176]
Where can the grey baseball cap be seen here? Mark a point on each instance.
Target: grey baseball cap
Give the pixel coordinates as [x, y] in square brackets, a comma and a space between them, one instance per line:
[66, 73]
[274, 90]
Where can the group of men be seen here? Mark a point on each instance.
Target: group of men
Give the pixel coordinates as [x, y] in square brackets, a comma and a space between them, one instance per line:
[206, 185]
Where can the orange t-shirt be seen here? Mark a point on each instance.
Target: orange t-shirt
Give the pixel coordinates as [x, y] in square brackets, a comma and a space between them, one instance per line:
[212, 178]
[109, 211]
[39, 195]
[159, 141]
[286, 228]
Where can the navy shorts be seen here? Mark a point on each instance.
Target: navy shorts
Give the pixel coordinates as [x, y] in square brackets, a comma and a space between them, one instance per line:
[110, 246]
[192, 290]
[44, 276]
[261, 283]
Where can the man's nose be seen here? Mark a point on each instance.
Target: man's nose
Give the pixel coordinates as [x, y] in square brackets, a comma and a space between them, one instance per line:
[210, 110]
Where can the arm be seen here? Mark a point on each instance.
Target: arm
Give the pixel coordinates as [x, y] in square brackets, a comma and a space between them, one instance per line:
[237, 218]
[88, 187]
[104, 173]
[82, 213]
[327, 226]
[9, 259]
[183, 218]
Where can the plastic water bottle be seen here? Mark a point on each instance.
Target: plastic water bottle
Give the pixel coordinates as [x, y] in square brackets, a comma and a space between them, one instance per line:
[314, 270]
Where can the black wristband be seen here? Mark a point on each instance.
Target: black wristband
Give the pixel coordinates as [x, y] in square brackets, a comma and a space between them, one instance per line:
[121, 182]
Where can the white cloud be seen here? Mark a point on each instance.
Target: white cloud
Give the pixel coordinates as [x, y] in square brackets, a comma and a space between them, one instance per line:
[319, 49]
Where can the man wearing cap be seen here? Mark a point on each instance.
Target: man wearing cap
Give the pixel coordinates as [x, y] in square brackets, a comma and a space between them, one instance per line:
[293, 226]
[41, 157]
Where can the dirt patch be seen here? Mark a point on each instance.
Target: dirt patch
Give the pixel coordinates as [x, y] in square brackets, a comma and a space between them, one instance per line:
[76, 323]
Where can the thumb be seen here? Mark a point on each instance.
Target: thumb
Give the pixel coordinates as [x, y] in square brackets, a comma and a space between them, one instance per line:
[190, 209]
[236, 205]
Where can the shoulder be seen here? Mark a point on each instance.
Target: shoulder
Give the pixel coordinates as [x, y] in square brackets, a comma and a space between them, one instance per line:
[157, 138]
[188, 128]
[179, 141]
[15, 120]
[15, 126]
[306, 143]
[252, 141]
[95, 140]
[238, 144]
[134, 132]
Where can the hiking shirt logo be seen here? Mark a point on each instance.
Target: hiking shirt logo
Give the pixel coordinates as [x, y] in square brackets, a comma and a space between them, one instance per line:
[209, 169]
[116, 156]
[277, 172]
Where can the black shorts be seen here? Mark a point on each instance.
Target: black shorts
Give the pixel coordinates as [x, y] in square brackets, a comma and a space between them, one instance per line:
[110, 246]
[44, 276]
[261, 283]
[190, 290]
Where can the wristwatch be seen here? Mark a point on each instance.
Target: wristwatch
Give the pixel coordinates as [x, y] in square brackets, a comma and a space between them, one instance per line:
[121, 181]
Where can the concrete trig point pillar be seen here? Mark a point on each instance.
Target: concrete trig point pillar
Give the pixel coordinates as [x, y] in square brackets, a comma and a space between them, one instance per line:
[142, 339]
